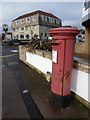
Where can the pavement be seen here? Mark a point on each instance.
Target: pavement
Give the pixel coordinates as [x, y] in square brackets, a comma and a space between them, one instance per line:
[26, 93]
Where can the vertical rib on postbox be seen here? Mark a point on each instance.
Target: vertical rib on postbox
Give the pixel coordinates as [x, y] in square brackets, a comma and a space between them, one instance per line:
[62, 63]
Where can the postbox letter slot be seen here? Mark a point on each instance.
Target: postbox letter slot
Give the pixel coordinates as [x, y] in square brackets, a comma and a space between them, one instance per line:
[55, 43]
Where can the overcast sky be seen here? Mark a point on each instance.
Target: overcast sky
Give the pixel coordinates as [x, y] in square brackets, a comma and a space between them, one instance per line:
[69, 12]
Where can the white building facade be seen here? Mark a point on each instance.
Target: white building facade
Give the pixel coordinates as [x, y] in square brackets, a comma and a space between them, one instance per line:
[34, 24]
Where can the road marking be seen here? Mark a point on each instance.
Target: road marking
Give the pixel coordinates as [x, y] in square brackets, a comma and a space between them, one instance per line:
[1, 60]
[12, 63]
[25, 91]
[14, 50]
[7, 56]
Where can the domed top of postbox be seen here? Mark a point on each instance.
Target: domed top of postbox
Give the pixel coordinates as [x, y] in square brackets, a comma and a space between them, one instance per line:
[64, 32]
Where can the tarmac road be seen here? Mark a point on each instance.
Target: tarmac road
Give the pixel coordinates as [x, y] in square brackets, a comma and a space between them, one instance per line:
[17, 101]
[26, 94]
[12, 103]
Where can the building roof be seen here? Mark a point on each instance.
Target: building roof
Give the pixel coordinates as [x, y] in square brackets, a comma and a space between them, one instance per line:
[36, 12]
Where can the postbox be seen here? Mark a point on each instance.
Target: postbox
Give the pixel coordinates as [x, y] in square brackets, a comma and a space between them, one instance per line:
[63, 40]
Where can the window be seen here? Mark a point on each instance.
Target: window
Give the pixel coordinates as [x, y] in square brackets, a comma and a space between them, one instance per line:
[27, 36]
[33, 17]
[22, 28]
[17, 22]
[51, 20]
[58, 21]
[21, 36]
[28, 19]
[22, 20]
[55, 21]
[48, 19]
[17, 36]
[45, 18]
[41, 35]
[42, 17]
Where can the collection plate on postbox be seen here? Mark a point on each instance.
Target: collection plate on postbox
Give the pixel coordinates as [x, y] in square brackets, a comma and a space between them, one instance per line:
[54, 56]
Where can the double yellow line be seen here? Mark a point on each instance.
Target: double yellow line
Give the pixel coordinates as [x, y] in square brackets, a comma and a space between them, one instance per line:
[7, 56]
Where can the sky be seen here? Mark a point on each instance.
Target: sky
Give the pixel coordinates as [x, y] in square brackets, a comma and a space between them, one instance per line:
[70, 13]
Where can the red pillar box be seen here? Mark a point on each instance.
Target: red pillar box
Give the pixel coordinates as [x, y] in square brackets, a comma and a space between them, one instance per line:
[62, 63]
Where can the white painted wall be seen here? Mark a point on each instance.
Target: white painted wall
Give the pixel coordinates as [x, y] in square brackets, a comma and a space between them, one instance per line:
[43, 64]
[79, 83]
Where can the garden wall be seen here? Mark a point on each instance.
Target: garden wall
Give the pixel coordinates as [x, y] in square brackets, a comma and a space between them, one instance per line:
[41, 60]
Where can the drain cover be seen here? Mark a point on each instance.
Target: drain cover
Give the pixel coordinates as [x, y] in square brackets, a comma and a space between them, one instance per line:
[12, 63]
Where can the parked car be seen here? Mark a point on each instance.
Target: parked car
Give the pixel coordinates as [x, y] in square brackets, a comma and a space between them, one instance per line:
[6, 41]
[14, 42]
[11, 41]
[79, 40]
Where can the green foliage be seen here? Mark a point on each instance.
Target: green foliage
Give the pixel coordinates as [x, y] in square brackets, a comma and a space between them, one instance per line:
[40, 44]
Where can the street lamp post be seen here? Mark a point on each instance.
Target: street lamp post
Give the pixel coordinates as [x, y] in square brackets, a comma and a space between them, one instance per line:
[5, 29]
